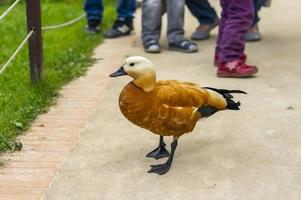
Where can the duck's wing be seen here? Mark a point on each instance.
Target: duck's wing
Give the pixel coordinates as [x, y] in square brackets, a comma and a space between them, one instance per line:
[176, 105]
[180, 94]
[184, 97]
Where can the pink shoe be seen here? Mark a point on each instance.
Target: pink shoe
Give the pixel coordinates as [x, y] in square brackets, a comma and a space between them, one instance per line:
[243, 58]
[236, 68]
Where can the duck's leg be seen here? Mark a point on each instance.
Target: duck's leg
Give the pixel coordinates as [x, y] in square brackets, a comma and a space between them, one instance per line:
[159, 152]
[164, 168]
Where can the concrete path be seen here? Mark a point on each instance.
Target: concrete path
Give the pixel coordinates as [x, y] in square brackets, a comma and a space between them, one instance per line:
[251, 154]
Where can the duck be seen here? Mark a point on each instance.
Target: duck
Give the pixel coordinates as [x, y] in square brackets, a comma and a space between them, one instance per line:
[167, 107]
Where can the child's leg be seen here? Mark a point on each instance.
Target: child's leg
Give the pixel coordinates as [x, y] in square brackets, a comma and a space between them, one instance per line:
[253, 33]
[175, 12]
[94, 10]
[202, 10]
[239, 17]
[257, 6]
[152, 11]
[222, 23]
[123, 25]
[236, 19]
[126, 10]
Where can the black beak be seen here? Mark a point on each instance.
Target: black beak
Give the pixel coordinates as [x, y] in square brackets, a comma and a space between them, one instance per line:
[119, 72]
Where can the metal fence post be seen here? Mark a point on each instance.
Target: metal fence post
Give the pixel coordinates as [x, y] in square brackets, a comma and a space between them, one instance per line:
[33, 12]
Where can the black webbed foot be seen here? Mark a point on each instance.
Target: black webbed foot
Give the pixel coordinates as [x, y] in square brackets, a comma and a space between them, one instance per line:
[160, 152]
[164, 168]
[160, 169]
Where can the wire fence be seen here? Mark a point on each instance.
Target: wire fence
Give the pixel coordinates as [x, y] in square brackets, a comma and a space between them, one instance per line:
[36, 51]
[9, 9]
[16, 52]
[71, 22]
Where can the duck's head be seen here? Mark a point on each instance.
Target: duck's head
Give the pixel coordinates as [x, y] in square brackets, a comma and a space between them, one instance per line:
[141, 70]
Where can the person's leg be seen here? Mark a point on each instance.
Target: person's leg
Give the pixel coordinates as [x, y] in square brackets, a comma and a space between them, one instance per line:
[231, 44]
[94, 11]
[239, 18]
[126, 10]
[175, 20]
[253, 33]
[152, 11]
[257, 6]
[222, 24]
[124, 23]
[175, 27]
[206, 16]
[202, 10]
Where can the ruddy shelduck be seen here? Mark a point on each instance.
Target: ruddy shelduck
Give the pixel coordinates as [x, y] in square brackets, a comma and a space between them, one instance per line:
[167, 107]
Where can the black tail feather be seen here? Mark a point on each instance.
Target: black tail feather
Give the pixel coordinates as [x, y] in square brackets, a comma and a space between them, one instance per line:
[231, 105]
[224, 91]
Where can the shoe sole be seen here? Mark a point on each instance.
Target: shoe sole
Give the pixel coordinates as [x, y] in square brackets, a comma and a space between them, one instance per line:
[119, 36]
[230, 75]
[153, 52]
[200, 39]
[253, 40]
[182, 51]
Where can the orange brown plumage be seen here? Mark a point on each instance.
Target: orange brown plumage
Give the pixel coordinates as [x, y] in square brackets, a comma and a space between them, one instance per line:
[170, 109]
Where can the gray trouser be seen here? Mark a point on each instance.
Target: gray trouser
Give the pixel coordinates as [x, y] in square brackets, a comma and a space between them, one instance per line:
[152, 11]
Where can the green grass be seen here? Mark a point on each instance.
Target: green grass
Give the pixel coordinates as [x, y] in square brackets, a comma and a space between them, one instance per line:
[66, 56]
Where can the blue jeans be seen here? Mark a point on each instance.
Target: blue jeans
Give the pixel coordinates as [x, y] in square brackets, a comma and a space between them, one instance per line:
[257, 6]
[125, 9]
[202, 10]
[205, 14]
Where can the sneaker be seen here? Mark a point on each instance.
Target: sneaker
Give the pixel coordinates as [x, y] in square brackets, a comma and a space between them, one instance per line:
[93, 27]
[236, 69]
[184, 46]
[243, 59]
[120, 28]
[152, 47]
[202, 32]
[253, 34]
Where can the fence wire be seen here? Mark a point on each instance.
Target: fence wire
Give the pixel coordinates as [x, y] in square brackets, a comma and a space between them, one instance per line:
[16, 52]
[9, 9]
[47, 28]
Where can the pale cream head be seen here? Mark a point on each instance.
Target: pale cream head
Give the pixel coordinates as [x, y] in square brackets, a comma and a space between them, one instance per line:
[142, 71]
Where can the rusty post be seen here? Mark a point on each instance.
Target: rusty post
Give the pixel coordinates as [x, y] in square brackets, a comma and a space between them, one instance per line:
[33, 12]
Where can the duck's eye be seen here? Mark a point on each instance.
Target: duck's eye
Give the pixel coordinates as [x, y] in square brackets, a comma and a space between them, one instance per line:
[132, 64]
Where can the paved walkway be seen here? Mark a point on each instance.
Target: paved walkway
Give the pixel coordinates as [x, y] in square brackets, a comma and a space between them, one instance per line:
[94, 153]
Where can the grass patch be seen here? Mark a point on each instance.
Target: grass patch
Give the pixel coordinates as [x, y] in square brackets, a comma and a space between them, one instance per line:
[67, 54]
